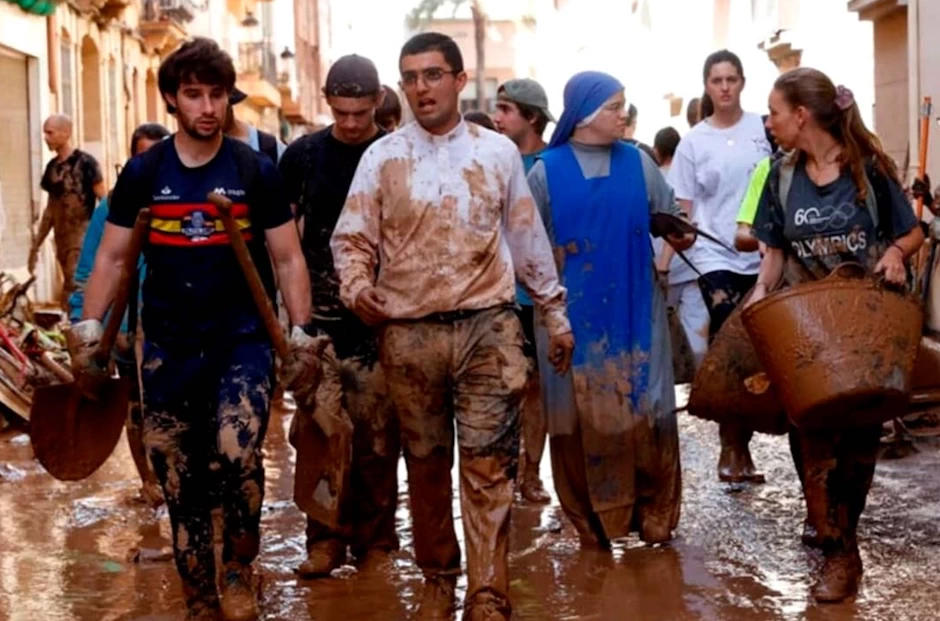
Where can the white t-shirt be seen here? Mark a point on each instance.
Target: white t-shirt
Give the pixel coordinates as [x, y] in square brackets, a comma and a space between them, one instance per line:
[712, 168]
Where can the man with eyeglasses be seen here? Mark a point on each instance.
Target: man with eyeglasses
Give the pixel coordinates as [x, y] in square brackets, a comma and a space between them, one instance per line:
[438, 225]
[317, 170]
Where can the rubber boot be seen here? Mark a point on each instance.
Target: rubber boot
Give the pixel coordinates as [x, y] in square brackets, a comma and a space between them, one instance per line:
[437, 599]
[840, 576]
[322, 558]
[239, 601]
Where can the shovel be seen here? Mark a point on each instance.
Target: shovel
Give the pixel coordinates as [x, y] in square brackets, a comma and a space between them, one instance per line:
[324, 455]
[72, 434]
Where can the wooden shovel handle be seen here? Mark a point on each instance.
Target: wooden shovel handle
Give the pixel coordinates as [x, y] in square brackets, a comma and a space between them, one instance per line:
[127, 280]
[258, 293]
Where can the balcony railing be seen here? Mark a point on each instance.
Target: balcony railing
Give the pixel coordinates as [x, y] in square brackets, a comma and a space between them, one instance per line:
[258, 58]
[180, 11]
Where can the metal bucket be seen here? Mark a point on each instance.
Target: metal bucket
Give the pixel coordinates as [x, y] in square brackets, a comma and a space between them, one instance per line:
[839, 352]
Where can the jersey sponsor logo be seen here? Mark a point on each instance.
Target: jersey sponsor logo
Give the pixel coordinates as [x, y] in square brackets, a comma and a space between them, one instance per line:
[166, 194]
[197, 226]
[229, 192]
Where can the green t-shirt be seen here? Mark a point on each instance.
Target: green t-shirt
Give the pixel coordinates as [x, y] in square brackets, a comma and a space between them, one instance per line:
[754, 190]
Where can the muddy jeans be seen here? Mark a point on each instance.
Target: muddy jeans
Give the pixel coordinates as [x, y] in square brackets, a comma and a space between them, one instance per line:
[723, 291]
[469, 368]
[68, 262]
[205, 417]
[836, 469]
[367, 513]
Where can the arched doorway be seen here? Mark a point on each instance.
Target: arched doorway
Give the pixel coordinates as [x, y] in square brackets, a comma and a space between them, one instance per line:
[91, 99]
[152, 96]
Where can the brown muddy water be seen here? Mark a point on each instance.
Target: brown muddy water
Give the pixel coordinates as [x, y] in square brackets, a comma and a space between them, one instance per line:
[66, 549]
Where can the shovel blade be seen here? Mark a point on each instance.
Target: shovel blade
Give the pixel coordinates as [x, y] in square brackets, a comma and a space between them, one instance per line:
[324, 461]
[72, 435]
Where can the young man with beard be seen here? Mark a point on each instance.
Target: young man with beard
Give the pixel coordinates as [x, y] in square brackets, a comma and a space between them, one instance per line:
[207, 365]
[317, 171]
[522, 115]
[438, 225]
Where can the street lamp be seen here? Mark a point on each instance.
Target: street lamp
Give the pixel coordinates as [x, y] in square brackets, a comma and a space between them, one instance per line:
[287, 66]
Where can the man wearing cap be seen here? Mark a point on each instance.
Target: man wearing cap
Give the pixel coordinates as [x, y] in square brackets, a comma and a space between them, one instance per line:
[522, 115]
[317, 170]
[438, 225]
[260, 141]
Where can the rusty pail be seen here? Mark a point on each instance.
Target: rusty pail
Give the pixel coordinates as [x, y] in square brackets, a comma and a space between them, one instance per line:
[840, 352]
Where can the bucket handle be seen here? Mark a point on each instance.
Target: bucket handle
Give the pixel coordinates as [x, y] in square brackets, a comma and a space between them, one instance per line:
[850, 270]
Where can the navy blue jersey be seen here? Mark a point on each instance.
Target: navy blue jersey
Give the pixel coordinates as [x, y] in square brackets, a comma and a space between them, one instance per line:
[194, 289]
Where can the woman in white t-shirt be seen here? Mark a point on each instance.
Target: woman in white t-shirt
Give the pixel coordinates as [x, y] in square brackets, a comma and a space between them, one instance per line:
[710, 174]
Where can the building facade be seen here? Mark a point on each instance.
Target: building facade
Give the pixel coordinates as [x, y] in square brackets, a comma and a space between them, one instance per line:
[93, 60]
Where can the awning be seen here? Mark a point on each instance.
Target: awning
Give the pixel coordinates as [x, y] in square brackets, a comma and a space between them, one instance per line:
[39, 7]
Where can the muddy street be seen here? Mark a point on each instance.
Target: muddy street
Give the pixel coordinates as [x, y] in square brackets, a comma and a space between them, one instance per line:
[67, 551]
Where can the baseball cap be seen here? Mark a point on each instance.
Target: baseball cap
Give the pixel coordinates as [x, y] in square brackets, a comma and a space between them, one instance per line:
[527, 92]
[352, 76]
[236, 96]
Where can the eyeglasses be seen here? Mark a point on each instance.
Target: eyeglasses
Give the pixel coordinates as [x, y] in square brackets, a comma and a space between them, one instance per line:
[430, 76]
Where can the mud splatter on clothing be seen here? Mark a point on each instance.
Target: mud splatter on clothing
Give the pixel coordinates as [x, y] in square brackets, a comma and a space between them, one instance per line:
[470, 370]
[205, 418]
[445, 223]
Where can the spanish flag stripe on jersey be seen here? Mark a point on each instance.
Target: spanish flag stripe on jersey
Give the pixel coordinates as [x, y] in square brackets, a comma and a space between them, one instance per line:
[181, 210]
[159, 238]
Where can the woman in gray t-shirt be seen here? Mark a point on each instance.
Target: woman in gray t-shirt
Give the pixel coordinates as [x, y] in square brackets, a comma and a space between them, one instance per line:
[826, 220]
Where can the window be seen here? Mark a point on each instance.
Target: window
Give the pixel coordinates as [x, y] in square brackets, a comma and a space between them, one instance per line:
[65, 77]
[468, 98]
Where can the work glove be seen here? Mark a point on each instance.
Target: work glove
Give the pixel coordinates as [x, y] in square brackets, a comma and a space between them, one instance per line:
[82, 340]
[301, 372]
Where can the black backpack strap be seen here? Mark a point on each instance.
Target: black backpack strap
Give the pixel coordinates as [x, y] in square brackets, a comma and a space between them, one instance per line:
[883, 202]
[267, 144]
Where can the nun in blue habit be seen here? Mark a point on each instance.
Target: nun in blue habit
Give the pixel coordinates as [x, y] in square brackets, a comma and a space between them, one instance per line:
[611, 419]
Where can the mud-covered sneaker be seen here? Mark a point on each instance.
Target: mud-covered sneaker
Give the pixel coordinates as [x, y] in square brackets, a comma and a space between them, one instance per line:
[202, 612]
[239, 602]
[322, 558]
[437, 600]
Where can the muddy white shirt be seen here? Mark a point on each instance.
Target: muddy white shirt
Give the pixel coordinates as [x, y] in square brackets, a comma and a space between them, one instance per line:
[445, 223]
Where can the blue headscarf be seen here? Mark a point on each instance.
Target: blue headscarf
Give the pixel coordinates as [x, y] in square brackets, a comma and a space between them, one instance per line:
[585, 92]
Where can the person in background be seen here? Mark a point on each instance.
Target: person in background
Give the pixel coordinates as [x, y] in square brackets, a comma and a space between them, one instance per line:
[522, 115]
[480, 118]
[710, 174]
[388, 114]
[836, 167]
[260, 141]
[144, 137]
[317, 170]
[438, 225]
[614, 436]
[664, 147]
[630, 131]
[682, 293]
[693, 112]
[74, 183]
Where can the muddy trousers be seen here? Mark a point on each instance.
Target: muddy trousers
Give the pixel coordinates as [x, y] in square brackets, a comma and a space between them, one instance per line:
[205, 417]
[723, 291]
[836, 469]
[67, 258]
[534, 420]
[469, 369]
[367, 513]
